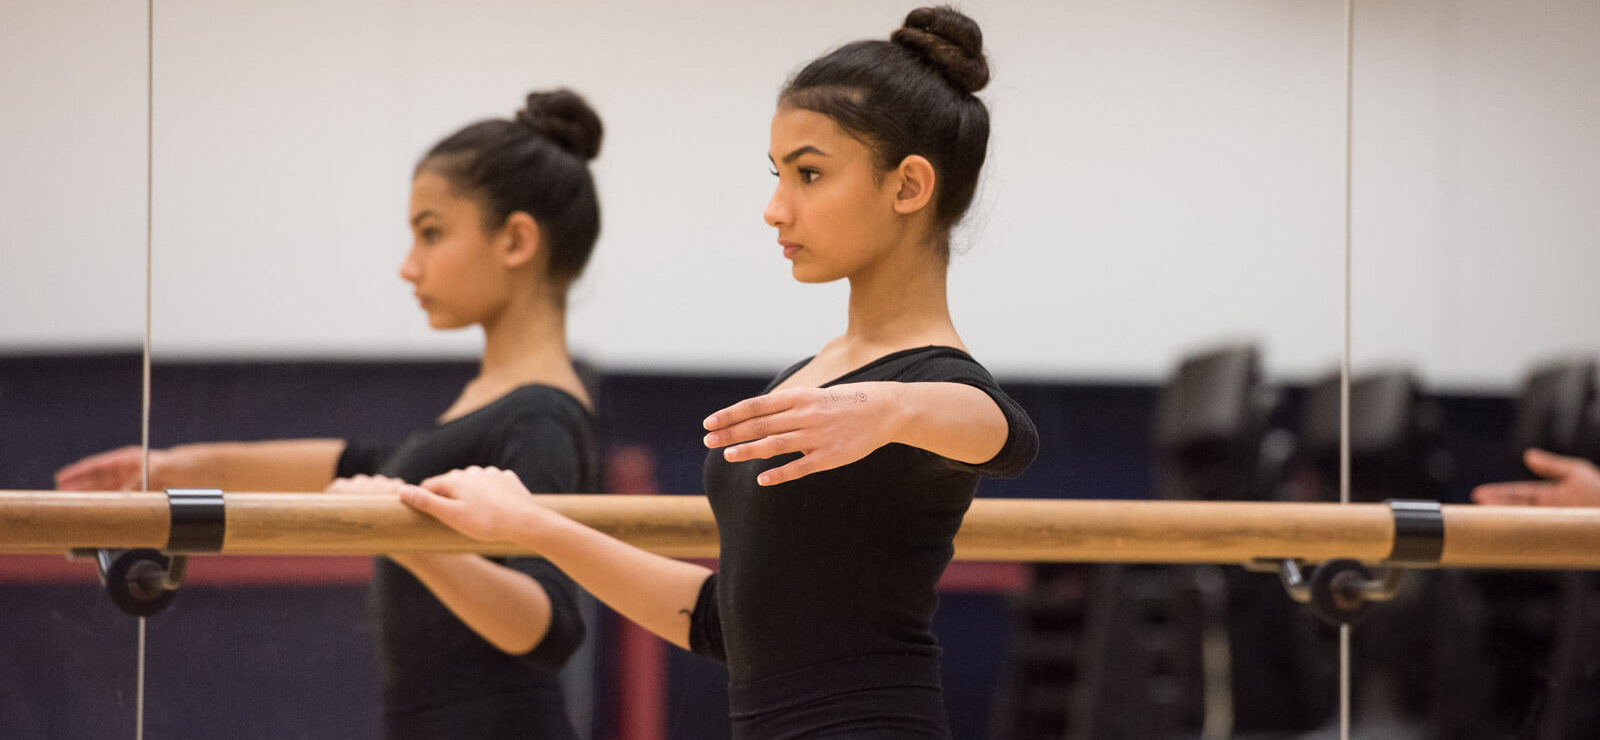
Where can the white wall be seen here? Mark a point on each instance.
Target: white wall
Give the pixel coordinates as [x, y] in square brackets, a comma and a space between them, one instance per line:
[72, 174]
[1477, 186]
[1163, 175]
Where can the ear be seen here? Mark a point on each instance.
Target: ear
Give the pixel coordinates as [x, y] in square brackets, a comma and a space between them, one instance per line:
[915, 179]
[523, 239]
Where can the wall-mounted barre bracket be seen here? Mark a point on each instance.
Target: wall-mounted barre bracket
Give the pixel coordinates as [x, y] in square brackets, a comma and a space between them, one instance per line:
[199, 520]
[141, 581]
[1418, 532]
[1339, 591]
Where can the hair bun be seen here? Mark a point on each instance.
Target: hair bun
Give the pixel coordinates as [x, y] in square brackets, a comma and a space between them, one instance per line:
[949, 40]
[563, 117]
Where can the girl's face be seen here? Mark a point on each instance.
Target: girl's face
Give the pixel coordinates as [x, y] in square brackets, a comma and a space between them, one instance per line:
[834, 211]
[455, 263]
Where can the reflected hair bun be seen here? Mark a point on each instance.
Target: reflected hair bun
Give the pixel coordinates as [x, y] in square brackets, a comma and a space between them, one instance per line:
[565, 118]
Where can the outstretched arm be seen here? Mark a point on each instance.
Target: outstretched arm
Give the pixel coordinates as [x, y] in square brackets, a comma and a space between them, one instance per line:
[492, 505]
[840, 424]
[277, 465]
[1568, 481]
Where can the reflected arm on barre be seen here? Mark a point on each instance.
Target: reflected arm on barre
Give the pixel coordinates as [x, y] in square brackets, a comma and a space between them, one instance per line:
[274, 465]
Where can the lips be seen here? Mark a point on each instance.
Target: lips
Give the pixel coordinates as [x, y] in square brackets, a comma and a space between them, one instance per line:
[789, 248]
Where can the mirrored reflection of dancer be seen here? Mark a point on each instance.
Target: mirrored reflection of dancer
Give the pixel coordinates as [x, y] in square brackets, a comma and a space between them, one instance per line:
[504, 217]
[839, 490]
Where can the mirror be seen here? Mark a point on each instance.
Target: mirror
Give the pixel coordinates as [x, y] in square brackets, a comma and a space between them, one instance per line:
[72, 298]
[1473, 224]
[1138, 209]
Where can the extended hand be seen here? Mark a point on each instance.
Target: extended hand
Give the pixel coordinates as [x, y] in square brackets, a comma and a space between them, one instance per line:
[830, 427]
[485, 504]
[117, 470]
[1569, 481]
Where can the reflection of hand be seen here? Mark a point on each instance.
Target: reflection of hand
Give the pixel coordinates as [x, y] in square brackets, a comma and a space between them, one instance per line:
[830, 427]
[383, 486]
[372, 485]
[1569, 481]
[118, 470]
[485, 504]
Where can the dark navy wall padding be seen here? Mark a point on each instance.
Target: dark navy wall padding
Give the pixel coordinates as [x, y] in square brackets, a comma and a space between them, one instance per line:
[286, 662]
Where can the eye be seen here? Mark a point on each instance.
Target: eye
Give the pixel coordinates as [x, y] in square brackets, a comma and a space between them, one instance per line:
[429, 235]
[809, 175]
[773, 172]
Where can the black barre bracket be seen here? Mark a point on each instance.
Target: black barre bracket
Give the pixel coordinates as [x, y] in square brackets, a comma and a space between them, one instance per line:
[199, 520]
[1418, 532]
[1342, 591]
[143, 581]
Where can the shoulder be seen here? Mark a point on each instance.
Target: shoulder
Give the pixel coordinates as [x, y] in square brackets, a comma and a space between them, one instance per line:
[546, 436]
[788, 371]
[541, 406]
[933, 365]
[536, 421]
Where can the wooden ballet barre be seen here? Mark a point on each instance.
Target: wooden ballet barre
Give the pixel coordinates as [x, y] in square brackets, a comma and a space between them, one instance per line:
[682, 526]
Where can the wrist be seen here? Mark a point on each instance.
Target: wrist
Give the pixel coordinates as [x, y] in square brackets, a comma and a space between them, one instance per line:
[545, 531]
[182, 466]
[528, 526]
[899, 413]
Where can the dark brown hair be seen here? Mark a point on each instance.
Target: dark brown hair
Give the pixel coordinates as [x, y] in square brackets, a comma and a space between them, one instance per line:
[536, 163]
[911, 94]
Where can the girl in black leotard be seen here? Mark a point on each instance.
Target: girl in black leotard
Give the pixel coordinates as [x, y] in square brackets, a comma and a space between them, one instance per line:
[504, 218]
[838, 491]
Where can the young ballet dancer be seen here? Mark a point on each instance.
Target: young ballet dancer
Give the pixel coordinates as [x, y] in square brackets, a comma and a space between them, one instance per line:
[504, 216]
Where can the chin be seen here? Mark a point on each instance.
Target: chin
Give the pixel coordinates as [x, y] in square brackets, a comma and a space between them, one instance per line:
[445, 323]
[812, 274]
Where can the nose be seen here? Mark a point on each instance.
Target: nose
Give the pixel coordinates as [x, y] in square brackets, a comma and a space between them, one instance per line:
[777, 211]
[411, 267]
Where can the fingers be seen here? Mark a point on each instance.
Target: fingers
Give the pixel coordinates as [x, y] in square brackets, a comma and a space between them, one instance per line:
[751, 408]
[757, 428]
[365, 484]
[1519, 493]
[453, 483]
[793, 471]
[448, 511]
[426, 501]
[443, 485]
[764, 448]
[1549, 465]
[344, 485]
[105, 470]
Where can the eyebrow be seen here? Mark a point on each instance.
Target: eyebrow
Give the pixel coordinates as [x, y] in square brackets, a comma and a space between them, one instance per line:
[418, 218]
[807, 149]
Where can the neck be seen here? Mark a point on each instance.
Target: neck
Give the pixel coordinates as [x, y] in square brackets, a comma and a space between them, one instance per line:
[526, 342]
[900, 302]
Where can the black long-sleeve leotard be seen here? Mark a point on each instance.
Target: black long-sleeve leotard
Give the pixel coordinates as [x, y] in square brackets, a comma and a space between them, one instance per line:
[822, 603]
[440, 679]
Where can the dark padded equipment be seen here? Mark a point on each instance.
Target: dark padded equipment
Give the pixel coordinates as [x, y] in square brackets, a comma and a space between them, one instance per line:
[1394, 428]
[1211, 421]
[1556, 410]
